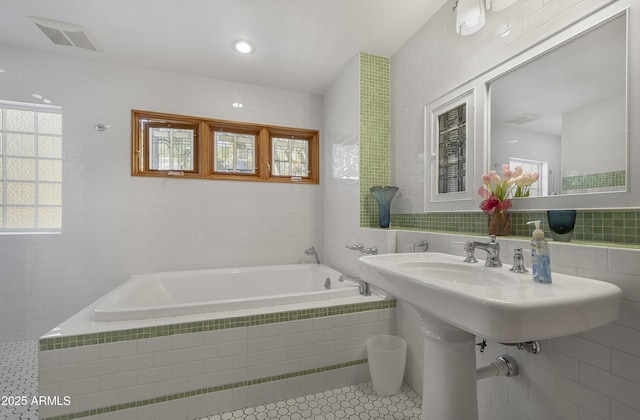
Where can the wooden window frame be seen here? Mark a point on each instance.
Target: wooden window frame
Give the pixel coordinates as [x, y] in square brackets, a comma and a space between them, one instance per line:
[204, 148]
[312, 161]
[141, 123]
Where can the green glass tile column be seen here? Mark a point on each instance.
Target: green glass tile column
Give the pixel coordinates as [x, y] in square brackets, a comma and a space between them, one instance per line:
[374, 133]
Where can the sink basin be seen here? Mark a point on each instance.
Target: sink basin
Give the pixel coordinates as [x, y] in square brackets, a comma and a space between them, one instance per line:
[493, 303]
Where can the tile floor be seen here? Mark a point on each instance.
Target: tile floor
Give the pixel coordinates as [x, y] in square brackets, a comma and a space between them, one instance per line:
[357, 402]
[19, 377]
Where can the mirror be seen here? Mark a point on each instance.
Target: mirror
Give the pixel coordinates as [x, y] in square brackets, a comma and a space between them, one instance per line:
[564, 115]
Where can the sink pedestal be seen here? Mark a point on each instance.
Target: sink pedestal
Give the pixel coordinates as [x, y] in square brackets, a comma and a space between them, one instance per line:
[449, 375]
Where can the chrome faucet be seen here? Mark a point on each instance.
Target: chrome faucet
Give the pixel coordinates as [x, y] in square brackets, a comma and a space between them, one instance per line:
[492, 248]
[312, 251]
[360, 247]
[363, 286]
[518, 261]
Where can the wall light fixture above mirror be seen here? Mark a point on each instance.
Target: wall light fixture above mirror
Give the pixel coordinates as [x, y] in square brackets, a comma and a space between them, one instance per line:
[470, 14]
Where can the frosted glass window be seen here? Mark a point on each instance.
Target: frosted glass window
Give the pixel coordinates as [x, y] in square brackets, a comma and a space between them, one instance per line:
[50, 147]
[30, 167]
[49, 217]
[20, 145]
[20, 169]
[19, 120]
[21, 193]
[22, 218]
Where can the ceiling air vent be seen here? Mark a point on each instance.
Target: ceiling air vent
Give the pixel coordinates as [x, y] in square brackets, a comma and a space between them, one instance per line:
[522, 119]
[67, 34]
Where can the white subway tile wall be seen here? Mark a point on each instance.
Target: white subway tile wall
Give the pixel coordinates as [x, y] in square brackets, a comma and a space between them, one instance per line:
[115, 225]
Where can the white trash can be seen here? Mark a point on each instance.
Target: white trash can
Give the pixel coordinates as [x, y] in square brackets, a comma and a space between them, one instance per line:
[387, 355]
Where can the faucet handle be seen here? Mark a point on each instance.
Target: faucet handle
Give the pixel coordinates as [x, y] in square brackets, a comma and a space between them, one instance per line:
[518, 261]
[469, 249]
[492, 238]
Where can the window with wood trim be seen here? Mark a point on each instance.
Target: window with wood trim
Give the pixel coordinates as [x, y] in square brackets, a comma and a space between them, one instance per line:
[191, 147]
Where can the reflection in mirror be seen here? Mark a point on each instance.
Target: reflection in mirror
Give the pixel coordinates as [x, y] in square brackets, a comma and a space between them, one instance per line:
[563, 115]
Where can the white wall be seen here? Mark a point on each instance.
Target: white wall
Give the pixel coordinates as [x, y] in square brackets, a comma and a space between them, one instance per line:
[115, 225]
[342, 195]
[586, 141]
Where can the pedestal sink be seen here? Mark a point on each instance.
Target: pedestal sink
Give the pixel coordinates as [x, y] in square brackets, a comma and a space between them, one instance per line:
[458, 301]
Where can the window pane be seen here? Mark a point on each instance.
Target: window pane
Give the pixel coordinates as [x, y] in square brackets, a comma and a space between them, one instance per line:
[21, 193]
[20, 169]
[49, 194]
[49, 217]
[20, 217]
[20, 145]
[290, 157]
[50, 147]
[20, 120]
[234, 153]
[49, 123]
[171, 149]
[49, 170]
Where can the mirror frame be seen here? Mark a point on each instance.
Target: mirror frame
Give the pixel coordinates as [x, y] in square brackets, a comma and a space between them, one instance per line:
[593, 200]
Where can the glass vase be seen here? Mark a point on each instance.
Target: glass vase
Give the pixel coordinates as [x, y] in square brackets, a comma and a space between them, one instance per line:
[561, 223]
[499, 223]
[383, 196]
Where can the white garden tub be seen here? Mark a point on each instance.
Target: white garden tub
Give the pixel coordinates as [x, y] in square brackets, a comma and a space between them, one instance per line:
[202, 291]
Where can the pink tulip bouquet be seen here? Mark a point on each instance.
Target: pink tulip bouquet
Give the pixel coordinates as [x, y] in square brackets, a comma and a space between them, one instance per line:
[496, 191]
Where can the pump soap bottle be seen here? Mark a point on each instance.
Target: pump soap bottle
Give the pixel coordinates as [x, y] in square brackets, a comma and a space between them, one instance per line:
[541, 264]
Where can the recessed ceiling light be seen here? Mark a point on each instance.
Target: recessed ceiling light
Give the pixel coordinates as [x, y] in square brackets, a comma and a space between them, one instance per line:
[2, 70]
[237, 105]
[37, 95]
[47, 101]
[243, 46]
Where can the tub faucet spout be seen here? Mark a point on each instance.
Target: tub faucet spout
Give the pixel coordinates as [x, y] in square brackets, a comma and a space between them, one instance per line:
[312, 251]
[365, 289]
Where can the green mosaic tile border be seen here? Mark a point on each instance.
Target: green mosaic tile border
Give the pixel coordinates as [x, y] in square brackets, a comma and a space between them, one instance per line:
[142, 403]
[56, 343]
[615, 227]
[375, 133]
[601, 180]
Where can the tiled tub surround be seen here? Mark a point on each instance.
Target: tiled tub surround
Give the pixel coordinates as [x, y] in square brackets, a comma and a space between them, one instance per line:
[593, 375]
[211, 363]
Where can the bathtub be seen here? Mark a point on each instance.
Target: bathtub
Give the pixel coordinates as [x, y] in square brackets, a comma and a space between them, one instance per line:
[177, 293]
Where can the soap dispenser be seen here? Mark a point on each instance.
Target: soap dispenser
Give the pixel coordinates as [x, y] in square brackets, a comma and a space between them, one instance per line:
[541, 263]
